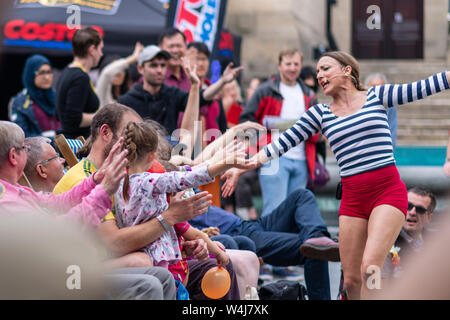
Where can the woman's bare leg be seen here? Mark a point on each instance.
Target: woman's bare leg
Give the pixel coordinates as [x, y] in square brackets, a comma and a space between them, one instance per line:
[384, 225]
[352, 241]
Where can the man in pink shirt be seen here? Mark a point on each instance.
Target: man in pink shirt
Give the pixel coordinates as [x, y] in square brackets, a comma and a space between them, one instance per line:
[173, 41]
[88, 203]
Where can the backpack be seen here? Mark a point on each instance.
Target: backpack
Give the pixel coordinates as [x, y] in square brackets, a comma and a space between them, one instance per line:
[283, 290]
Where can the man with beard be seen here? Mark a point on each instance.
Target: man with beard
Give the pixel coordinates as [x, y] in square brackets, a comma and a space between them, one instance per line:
[122, 244]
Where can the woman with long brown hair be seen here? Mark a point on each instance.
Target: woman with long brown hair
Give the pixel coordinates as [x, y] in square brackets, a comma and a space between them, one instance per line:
[374, 199]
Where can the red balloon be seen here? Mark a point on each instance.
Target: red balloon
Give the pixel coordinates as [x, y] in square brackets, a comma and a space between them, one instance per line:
[216, 282]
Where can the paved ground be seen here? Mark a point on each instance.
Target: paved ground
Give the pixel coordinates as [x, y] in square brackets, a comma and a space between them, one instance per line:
[334, 269]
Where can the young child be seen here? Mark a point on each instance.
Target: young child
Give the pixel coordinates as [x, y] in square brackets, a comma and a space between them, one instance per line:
[143, 195]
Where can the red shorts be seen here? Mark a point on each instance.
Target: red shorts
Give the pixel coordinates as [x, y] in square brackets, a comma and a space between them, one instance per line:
[363, 192]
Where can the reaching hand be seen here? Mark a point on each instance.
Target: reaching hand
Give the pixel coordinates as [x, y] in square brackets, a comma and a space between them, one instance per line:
[231, 178]
[235, 155]
[137, 50]
[181, 210]
[248, 129]
[114, 172]
[247, 125]
[191, 71]
[222, 259]
[100, 173]
[231, 73]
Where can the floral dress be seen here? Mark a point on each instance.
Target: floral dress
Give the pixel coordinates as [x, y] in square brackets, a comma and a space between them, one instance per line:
[147, 199]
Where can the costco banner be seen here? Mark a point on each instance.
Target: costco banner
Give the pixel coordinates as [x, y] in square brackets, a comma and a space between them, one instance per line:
[199, 20]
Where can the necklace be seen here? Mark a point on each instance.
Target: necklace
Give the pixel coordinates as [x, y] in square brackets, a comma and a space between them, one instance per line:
[84, 70]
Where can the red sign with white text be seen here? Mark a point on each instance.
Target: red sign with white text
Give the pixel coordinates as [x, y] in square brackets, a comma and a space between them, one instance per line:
[198, 19]
[33, 34]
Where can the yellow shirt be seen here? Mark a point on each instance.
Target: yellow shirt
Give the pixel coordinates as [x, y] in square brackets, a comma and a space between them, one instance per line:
[74, 176]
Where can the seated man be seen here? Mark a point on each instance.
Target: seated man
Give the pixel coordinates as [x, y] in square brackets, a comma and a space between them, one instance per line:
[123, 243]
[44, 165]
[293, 234]
[421, 205]
[86, 203]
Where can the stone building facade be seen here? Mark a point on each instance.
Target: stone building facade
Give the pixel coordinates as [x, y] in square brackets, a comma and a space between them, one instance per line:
[267, 26]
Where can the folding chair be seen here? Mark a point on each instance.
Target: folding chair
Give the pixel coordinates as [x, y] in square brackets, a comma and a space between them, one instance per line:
[23, 181]
[69, 148]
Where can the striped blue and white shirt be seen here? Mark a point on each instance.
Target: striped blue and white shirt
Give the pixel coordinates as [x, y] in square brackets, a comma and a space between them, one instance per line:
[362, 141]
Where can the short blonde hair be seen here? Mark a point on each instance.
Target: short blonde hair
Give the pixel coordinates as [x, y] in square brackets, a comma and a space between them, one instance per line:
[289, 52]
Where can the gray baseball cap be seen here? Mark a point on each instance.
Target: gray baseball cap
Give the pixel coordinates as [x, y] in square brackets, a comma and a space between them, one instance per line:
[150, 52]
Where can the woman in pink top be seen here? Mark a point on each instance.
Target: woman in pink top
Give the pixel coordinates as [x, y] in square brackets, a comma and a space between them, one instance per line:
[87, 203]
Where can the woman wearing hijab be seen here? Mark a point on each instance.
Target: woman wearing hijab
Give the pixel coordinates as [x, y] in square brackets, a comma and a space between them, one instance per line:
[33, 109]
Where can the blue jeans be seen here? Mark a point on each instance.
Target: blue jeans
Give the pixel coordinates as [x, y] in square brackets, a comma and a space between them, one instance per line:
[275, 188]
[279, 235]
[235, 242]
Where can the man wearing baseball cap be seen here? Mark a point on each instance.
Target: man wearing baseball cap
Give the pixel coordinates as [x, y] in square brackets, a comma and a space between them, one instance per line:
[155, 100]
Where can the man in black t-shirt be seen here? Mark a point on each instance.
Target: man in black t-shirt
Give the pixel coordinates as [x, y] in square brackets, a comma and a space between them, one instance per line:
[154, 100]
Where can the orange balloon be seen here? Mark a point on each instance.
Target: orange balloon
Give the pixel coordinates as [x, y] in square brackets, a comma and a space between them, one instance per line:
[216, 282]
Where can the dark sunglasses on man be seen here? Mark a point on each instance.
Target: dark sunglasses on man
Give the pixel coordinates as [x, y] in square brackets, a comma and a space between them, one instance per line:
[419, 209]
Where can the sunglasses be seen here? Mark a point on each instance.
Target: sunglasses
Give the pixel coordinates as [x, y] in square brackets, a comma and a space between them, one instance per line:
[419, 209]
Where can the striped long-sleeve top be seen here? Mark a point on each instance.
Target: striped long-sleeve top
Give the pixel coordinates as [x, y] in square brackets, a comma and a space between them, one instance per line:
[361, 142]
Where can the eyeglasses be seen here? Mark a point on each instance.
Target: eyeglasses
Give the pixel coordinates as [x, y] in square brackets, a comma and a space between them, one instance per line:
[50, 159]
[419, 209]
[44, 73]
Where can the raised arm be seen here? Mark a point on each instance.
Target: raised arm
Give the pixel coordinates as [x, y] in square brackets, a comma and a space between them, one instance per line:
[174, 181]
[244, 129]
[191, 114]
[90, 201]
[391, 95]
[104, 81]
[229, 74]
[308, 125]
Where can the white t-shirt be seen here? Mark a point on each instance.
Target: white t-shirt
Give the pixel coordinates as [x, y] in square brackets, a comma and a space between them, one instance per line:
[293, 108]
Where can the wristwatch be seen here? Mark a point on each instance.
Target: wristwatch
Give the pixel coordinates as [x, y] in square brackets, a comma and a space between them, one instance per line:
[164, 223]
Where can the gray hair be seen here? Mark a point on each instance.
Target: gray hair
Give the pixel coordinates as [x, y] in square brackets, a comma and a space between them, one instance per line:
[11, 136]
[34, 153]
[373, 76]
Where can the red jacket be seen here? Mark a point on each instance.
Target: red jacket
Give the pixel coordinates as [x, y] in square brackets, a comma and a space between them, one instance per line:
[268, 101]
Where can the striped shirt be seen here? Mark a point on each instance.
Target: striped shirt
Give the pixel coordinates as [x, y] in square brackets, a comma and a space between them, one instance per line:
[362, 141]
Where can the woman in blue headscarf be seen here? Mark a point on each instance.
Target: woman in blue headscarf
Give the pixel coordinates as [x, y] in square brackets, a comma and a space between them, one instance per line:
[33, 109]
